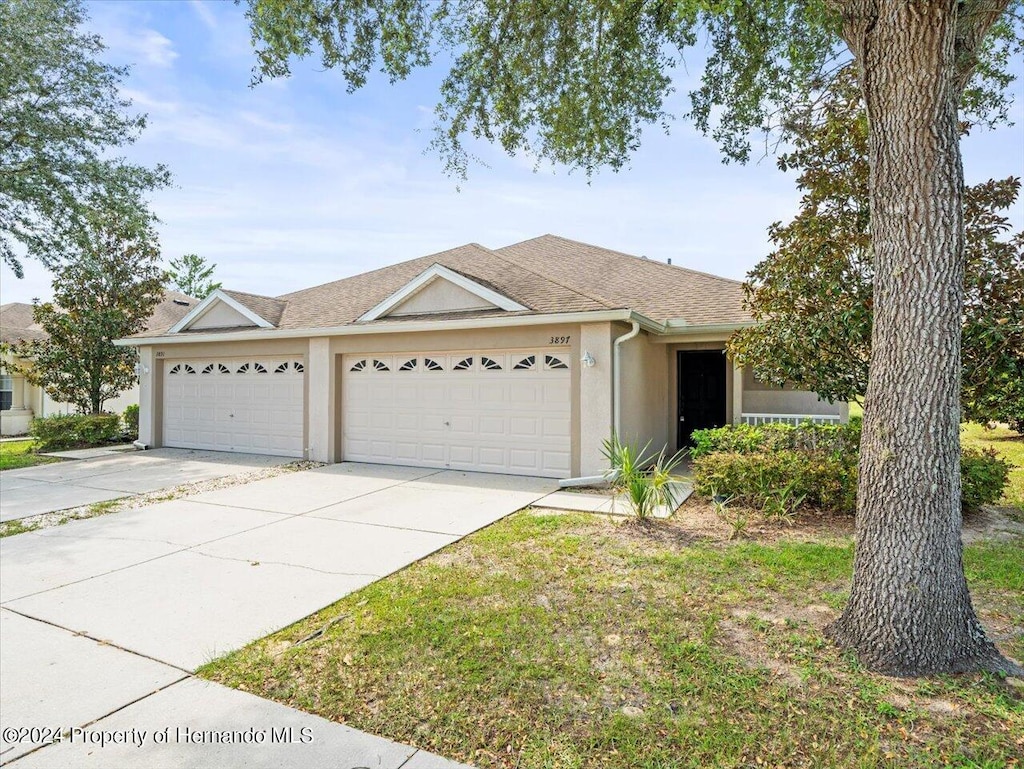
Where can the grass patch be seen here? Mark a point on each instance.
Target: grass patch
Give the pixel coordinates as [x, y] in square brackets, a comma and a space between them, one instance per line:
[1007, 444]
[16, 454]
[568, 641]
[10, 528]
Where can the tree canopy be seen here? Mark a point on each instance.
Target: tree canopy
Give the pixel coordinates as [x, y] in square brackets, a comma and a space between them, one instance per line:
[104, 290]
[812, 297]
[192, 275]
[61, 115]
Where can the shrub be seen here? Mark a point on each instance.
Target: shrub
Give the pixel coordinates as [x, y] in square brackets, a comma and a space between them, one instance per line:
[778, 468]
[779, 482]
[75, 430]
[745, 439]
[131, 422]
[984, 476]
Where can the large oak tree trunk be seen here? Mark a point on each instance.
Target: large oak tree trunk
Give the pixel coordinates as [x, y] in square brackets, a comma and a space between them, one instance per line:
[909, 611]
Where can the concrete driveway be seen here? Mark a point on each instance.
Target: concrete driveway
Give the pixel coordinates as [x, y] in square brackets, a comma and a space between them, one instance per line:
[102, 621]
[46, 488]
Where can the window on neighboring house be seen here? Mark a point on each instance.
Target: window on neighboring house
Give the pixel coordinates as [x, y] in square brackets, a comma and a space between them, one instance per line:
[6, 392]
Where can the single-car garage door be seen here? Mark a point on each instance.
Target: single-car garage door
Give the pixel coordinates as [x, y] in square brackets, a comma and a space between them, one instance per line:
[252, 405]
[493, 411]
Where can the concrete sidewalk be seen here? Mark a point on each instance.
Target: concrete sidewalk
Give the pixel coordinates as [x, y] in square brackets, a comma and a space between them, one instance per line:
[103, 621]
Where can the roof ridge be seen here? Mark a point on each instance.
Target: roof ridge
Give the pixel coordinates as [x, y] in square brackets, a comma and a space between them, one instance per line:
[634, 256]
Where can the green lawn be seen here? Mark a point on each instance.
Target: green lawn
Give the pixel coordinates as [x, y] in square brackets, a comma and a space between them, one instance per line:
[15, 454]
[1010, 446]
[569, 641]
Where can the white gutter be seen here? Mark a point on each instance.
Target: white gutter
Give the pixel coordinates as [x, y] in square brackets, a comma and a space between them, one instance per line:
[617, 377]
[396, 327]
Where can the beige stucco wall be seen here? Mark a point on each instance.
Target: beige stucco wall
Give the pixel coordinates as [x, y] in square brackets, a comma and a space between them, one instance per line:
[761, 398]
[440, 296]
[645, 399]
[220, 315]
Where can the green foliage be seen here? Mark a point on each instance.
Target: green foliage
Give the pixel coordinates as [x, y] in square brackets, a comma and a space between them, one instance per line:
[640, 474]
[780, 481]
[68, 431]
[780, 468]
[130, 418]
[105, 290]
[984, 476]
[191, 275]
[813, 295]
[576, 83]
[808, 436]
[61, 112]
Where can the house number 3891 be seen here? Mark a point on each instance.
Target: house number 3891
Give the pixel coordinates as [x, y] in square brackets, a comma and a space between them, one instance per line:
[560, 340]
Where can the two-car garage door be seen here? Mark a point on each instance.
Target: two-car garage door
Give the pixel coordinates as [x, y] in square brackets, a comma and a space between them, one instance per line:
[251, 405]
[495, 411]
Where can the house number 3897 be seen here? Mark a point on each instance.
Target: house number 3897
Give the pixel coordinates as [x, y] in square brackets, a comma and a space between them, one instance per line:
[560, 340]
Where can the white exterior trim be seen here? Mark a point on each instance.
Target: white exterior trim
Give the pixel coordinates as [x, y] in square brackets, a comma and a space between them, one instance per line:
[412, 326]
[791, 419]
[431, 274]
[204, 306]
[396, 327]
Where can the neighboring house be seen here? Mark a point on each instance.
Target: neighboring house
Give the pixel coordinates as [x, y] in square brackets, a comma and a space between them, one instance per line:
[21, 401]
[520, 359]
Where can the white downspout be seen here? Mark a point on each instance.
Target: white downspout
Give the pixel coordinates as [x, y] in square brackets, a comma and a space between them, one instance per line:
[617, 377]
[608, 475]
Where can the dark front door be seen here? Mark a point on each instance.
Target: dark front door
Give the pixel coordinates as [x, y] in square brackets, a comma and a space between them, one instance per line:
[700, 380]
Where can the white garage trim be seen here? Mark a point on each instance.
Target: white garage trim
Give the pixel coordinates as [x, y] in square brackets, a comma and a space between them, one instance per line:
[495, 411]
[251, 405]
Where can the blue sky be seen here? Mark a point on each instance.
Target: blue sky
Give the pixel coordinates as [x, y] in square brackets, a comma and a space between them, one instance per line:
[295, 182]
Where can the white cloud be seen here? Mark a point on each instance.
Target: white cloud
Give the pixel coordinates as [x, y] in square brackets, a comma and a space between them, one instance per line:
[204, 13]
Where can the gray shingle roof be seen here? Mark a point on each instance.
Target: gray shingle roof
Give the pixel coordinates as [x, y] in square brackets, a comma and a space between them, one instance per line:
[548, 274]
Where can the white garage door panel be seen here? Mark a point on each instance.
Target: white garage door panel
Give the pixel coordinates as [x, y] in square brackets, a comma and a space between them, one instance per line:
[253, 405]
[494, 411]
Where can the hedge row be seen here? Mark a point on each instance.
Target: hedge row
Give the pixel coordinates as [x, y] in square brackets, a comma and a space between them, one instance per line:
[66, 431]
[780, 468]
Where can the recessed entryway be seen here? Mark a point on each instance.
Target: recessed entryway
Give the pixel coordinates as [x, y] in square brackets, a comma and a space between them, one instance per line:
[701, 392]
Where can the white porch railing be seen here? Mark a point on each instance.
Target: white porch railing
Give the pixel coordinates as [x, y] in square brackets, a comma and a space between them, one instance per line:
[790, 419]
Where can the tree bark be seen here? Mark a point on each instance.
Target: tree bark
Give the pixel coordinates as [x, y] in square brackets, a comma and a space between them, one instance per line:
[910, 611]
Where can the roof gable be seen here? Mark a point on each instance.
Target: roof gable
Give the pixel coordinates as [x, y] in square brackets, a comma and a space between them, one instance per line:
[220, 310]
[439, 289]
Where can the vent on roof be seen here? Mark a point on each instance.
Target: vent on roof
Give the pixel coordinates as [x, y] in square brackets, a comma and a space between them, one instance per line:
[181, 302]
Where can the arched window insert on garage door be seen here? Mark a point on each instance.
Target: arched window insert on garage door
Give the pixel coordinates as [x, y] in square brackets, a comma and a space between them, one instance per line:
[551, 362]
[490, 364]
[409, 365]
[463, 365]
[525, 364]
[358, 366]
[182, 368]
[432, 365]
